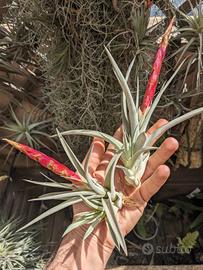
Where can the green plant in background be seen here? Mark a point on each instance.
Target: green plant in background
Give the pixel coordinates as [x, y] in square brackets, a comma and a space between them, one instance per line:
[188, 206]
[143, 38]
[188, 242]
[191, 35]
[18, 250]
[148, 225]
[28, 130]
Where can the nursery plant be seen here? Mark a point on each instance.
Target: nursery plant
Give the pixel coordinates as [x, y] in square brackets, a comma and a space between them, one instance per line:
[104, 201]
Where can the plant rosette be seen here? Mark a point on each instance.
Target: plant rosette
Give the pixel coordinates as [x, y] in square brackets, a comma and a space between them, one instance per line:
[133, 152]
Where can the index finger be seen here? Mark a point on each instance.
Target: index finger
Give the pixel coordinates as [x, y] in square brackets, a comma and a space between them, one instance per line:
[110, 150]
[98, 150]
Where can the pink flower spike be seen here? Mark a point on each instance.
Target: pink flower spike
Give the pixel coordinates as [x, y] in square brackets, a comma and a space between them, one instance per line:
[47, 162]
[156, 69]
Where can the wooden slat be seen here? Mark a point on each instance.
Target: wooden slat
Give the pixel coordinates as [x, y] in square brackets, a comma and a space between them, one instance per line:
[182, 182]
[186, 7]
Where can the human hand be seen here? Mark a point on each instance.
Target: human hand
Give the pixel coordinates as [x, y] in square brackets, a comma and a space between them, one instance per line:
[155, 176]
[94, 252]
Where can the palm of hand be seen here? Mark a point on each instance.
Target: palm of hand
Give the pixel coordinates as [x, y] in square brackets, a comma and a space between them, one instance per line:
[154, 177]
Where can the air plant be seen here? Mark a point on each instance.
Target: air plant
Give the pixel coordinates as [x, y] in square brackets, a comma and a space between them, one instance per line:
[144, 45]
[136, 145]
[191, 35]
[27, 130]
[18, 250]
[133, 152]
[104, 201]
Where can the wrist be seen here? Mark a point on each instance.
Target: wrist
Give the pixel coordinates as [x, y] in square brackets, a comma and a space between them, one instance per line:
[97, 248]
[75, 253]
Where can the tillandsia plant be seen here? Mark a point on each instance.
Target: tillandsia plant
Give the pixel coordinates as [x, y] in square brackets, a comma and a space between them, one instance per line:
[18, 250]
[26, 130]
[191, 35]
[136, 145]
[104, 201]
[143, 43]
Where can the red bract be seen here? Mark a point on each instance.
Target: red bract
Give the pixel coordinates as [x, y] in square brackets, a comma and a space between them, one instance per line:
[47, 162]
[156, 68]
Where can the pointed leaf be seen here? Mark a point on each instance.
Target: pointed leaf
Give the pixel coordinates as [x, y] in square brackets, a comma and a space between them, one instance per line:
[87, 160]
[52, 211]
[76, 163]
[84, 218]
[49, 184]
[124, 115]
[93, 133]
[93, 225]
[198, 221]
[138, 153]
[130, 69]
[62, 195]
[146, 120]
[133, 115]
[95, 185]
[91, 204]
[187, 206]
[140, 142]
[110, 175]
[111, 212]
[74, 225]
[173, 123]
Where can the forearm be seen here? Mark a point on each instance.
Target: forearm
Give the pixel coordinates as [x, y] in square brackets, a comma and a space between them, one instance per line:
[76, 254]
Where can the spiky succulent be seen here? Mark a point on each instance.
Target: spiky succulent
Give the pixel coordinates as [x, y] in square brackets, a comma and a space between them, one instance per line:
[104, 201]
